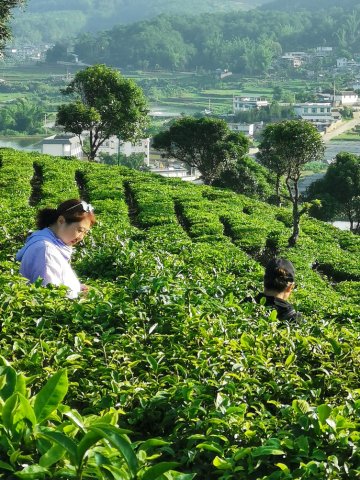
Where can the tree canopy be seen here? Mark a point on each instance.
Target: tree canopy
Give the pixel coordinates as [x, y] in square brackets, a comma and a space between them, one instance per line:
[339, 191]
[244, 42]
[6, 7]
[205, 143]
[247, 177]
[285, 149]
[104, 103]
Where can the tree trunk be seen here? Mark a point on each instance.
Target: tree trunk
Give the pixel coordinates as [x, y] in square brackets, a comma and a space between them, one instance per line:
[294, 197]
[277, 186]
[296, 225]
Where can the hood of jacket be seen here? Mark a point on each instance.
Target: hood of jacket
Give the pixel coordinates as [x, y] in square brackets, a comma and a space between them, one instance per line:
[45, 235]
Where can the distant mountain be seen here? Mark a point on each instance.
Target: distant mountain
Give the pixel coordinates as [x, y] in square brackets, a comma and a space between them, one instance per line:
[310, 5]
[54, 20]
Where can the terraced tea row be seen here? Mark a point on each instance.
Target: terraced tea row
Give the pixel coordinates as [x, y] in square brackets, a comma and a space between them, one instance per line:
[169, 339]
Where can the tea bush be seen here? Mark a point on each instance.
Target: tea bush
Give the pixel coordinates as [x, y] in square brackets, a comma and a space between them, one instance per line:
[172, 371]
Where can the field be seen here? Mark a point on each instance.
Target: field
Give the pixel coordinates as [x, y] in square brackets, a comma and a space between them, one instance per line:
[168, 369]
[173, 92]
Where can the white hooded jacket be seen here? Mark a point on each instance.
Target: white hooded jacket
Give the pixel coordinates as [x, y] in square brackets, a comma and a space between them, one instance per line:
[45, 256]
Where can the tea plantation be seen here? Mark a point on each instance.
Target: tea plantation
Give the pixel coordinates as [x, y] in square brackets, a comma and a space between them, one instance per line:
[167, 369]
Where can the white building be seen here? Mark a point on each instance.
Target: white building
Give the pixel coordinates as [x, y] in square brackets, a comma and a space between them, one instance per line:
[63, 145]
[346, 98]
[323, 51]
[245, 104]
[113, 146]
[295, 62]
[320, 114]
[246, 128]
[345, 63]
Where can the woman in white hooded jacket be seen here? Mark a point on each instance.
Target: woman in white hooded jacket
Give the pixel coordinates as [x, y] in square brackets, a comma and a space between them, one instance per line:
[47, 252]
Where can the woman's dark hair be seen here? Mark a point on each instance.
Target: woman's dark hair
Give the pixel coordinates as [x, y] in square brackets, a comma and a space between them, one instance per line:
[72, 210]
[278, 274]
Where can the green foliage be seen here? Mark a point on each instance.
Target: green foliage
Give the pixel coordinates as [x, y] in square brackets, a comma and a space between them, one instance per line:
[249, 178]
[6, 8]
[104, 103]
[285, 149]
[245, 42]
[23, 116]
[205, 143]
[135, 160]
[339, 191]
[168, 348]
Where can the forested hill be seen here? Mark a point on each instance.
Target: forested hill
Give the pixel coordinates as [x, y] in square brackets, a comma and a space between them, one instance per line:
[52, 20]
[245, 42]
[312, 5]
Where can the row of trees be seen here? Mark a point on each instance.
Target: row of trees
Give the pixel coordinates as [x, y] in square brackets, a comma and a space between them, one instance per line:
[245, 42]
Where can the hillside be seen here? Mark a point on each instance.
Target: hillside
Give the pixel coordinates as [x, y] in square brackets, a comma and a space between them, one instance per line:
[168, 343]
[50, 20]
[310, 5]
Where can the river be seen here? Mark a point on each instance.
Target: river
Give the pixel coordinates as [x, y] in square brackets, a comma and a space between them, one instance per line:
[28, 143]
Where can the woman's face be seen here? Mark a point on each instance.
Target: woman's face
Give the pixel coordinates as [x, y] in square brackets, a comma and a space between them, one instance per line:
[72, 233]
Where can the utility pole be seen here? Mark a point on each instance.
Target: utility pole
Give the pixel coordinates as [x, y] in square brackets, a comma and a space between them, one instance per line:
[45, 125]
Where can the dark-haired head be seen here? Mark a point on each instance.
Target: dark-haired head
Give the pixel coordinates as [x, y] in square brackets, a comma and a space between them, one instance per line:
[73, 210]
[279, 274]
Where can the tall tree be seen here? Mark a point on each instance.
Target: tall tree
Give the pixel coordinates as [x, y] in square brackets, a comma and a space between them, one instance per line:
[205, 143]
[287, 147]
[5, 14]
[339, 191]
[104, 104]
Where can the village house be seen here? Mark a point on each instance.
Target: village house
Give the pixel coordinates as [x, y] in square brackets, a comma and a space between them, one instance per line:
[247, 129]
[346, 98]
[320, 114]
[245, 104]
[114, 146]
[323, 51]
[344, 63]
[62, 145]
[294, 59]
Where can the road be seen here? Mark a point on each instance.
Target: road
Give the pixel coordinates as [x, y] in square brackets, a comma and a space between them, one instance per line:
[342, 128]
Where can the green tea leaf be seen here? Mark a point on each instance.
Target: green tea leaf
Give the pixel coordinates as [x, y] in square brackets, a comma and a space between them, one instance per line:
[210, 447]
[323, 412]
[266, 450]
[50, 396]
[301, 406]
[6, 466]
[290, 359]
[120, 442]
[153, 442]
[155, 472]
[15, 409]
[65, 442]
[90, 439]
[221, 464]
[8, 381]
[32, 472]
[152, 362]
[52, 456]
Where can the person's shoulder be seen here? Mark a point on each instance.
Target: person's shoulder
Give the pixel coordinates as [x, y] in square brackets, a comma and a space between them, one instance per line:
[286, 310]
